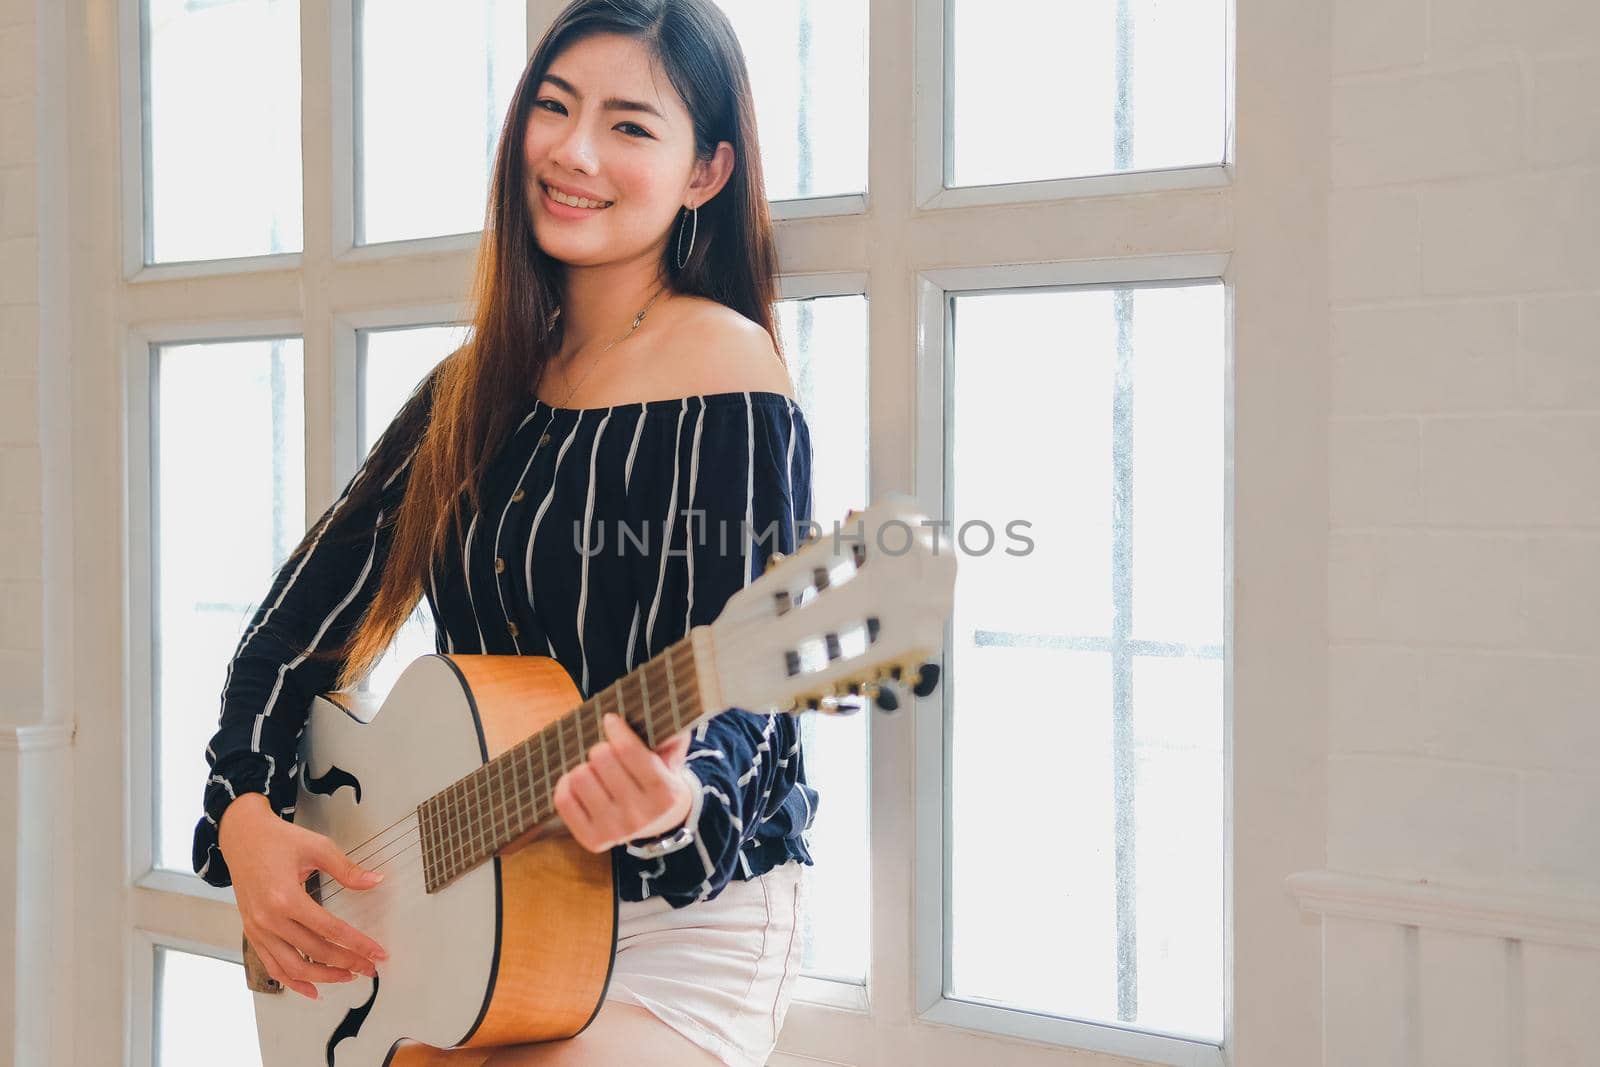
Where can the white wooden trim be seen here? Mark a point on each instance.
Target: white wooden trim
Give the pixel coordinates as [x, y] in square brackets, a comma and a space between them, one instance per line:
[1098, 1037]
[138, 600]
[818, 207]
[822, 284]
[826, 992]
[1554, 919]
[348, 372]
[183, 270]
[1127, 183]
[161, 880]
[37, 737]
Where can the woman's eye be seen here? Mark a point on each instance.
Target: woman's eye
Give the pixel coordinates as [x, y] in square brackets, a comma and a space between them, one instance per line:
[632, 125]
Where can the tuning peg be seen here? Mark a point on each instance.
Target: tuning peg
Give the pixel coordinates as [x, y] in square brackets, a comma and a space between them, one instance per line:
[926, 679]
[847, 707]
[773, 560]
[883, 696]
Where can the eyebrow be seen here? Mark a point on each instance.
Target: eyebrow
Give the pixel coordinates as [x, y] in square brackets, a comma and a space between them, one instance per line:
[610, 103]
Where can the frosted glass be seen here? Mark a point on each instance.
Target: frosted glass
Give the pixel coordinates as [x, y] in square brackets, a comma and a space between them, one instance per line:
[825, 340]
[433, 84]
[203, 1008]
[221, 129]
[228, 485]
[1086, 790]
[1041, 91]
[392, 363]
[808, 75]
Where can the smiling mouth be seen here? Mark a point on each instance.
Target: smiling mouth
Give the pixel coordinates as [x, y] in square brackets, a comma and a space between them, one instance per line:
[575, 201]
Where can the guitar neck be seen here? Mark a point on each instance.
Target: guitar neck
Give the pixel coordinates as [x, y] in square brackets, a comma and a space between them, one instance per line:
[480, 814]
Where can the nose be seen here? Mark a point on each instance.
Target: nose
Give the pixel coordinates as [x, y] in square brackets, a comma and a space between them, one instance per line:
[572, 149]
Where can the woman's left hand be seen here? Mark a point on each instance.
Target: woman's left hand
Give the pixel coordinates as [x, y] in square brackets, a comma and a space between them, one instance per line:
[625, 791]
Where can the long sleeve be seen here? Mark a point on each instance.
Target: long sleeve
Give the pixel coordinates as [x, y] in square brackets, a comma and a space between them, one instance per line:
[314, 602]
[746, 472]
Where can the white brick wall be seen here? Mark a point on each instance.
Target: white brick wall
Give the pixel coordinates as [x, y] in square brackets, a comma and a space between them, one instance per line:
[21, 501]
[1464, 561]
[1464, 581]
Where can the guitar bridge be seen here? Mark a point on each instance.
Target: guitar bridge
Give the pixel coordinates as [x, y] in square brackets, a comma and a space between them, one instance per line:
[256, 978]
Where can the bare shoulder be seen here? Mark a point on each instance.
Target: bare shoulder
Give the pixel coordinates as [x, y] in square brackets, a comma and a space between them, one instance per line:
[718, 350]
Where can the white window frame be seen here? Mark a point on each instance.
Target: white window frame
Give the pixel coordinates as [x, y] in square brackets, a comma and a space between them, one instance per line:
[935, 718]
[906, 243]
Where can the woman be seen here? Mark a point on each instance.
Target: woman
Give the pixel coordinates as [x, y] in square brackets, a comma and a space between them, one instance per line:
[623, 371]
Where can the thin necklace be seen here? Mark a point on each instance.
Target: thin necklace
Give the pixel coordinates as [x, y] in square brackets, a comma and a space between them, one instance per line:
[637, 319]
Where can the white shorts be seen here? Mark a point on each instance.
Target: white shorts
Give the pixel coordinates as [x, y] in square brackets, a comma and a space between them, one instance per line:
[720, 972]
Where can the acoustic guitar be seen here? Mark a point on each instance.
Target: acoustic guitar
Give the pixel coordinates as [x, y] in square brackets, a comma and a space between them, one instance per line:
[500, 931]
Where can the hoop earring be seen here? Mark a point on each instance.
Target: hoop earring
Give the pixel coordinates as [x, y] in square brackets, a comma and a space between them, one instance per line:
[680, 258]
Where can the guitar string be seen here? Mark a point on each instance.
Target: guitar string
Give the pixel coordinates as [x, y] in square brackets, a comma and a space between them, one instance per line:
[408, 857]
[498, 807]
[673, 651]
[657, 662]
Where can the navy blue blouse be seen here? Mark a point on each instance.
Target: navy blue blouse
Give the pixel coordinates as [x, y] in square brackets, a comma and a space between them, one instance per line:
[734, 466]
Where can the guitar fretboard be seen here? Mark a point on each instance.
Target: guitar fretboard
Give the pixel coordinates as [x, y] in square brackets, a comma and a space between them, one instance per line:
[483, 812]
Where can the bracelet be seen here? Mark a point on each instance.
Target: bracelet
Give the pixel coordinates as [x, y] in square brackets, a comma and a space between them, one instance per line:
[655, 848]
[673, 840]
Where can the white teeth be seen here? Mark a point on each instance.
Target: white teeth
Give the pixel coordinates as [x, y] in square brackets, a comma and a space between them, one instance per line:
[575, 201]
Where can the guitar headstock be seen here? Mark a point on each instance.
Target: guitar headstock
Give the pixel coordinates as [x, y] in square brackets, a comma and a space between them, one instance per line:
[844, 617]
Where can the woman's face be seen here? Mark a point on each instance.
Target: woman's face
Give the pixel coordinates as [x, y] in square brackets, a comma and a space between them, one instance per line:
[602, 126]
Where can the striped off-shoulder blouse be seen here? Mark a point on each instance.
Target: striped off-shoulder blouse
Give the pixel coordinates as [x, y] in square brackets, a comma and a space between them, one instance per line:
[552, 565]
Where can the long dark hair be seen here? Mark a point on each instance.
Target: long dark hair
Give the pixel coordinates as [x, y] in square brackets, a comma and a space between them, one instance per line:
[460, 411]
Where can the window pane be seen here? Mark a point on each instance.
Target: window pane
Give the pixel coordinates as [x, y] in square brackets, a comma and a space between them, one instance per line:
[825, 341]
[433, 84]
[202, 1005]
[222, 129]
[1061, 703]
[392, 363]
[1090, 88]
[808, 74]
[1177, 450]
[228, 503]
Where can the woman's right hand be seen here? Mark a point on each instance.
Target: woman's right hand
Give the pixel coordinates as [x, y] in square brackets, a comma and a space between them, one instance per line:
[299, 941]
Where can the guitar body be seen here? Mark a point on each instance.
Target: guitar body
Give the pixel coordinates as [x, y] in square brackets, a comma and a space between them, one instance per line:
[515, 950]
[505, 934]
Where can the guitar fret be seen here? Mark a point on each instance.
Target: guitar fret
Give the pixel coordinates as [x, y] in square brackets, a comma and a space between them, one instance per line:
[474, 810]
[544, 776]
[452, 833]
[518, 755]
[468, 812]
[426, 833]
[484, 813]
[436, 817]
[504, 819]
[672, 690]
[644, 702]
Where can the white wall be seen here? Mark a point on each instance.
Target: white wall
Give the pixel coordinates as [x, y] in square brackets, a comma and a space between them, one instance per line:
[1464, 562]
[35, 705]
[21, 511]
[21, 495]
